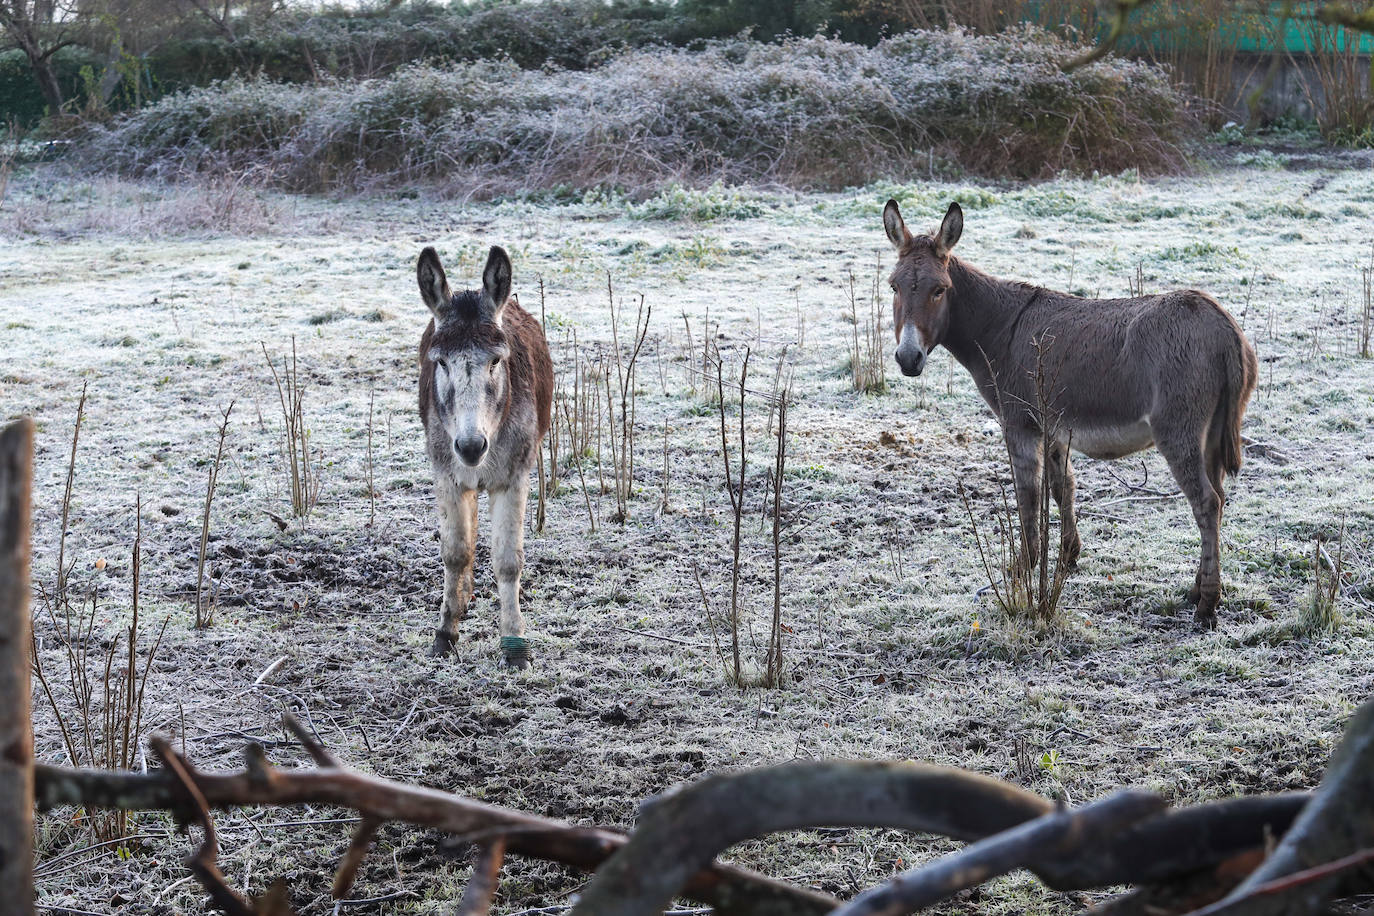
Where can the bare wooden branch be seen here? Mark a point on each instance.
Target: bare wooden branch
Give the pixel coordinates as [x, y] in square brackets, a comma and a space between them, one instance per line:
[16, 730]
[486, 872]
[730, 890]
[1338, 822]
[1184, 894]
[1179, 842]
[202, 863]
[318, 752]
[693, 824]
[682, 831]
[1058, 835]
[354, 855]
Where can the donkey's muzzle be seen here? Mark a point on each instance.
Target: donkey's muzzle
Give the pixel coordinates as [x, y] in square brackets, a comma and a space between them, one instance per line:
[911, 360]
[472, 450]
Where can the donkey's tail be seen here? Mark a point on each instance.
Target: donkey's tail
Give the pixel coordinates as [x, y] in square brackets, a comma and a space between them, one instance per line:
[1242, 370]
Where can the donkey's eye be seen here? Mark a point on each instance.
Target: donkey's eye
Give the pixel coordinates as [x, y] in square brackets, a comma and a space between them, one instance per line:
[495, 361]
[443, 363]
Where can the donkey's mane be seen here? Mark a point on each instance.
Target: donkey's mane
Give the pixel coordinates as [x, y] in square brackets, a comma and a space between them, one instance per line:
[464, 306]
[465, 324]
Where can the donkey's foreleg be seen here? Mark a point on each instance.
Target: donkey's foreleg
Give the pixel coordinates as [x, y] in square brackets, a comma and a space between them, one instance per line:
[1062, 485]
[508, 556]
[457, 543]
[1026, 460]
[1184, 455]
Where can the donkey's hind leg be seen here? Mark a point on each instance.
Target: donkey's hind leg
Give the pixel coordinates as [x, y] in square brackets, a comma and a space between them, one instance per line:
[1062, 486]
[1183, 451]
[1216, 475]
[457, 543]
[508, 556]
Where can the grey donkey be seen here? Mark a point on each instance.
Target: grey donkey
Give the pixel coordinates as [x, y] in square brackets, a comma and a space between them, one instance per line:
[1113, 376]
[486, 388]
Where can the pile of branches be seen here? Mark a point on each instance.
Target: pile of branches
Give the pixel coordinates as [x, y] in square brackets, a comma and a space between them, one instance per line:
[1205, 859]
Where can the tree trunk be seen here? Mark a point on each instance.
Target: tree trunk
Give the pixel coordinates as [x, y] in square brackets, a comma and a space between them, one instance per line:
[46, 76]
[16, 728]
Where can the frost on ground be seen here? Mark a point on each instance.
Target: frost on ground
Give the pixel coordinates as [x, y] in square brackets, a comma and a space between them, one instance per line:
[160, 299]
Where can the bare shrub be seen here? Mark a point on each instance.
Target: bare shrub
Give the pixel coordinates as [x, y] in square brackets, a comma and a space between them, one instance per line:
[622, 426]
[867, 361]
[1025, 587]
[1345, 110]
[302, 478]
[1321, 611]
[736, 487]
[96, 696]
[810, 112]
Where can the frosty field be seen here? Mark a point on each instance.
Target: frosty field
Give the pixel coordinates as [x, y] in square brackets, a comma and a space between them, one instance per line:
[160, 299]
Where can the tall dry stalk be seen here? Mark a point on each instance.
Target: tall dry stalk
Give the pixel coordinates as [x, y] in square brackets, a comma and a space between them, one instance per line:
[736, 493]
[1367, 304]
[736, 480]
[371, 487]
[304, 479]
[772, 676]
[62, 570]
[622, 427]
[205, 612]
[575, 418]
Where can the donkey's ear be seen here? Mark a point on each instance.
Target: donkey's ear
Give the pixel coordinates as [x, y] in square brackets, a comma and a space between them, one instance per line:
[950, 229]
[496, 280]
[433, 284]
[897, 232]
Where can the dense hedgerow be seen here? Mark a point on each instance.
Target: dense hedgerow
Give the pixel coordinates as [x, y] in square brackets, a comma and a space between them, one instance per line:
[571, 34]
[807, 112]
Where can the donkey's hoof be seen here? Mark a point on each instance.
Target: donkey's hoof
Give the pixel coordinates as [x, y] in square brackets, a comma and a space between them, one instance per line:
[443, 645]
[515, 652]
[1205, 617]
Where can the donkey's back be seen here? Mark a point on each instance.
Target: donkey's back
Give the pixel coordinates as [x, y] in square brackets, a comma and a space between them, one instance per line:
[1113, 372]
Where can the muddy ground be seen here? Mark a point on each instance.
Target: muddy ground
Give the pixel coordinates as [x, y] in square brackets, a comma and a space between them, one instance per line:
[159, 299]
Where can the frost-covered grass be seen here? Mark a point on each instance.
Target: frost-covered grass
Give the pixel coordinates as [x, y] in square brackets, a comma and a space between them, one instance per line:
[812, 112]
[894, 654]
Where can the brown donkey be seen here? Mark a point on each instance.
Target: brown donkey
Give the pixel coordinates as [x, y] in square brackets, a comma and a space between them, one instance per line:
[1115, 375]
[486, 386]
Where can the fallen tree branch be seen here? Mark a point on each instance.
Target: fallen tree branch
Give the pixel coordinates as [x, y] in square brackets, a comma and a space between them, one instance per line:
[682, 829]
[730, 890]
[202, 863]
[353, 857]
[1337, 824]
[1061, 834]
[1185, 894]
[486, 871]
[1326, 841]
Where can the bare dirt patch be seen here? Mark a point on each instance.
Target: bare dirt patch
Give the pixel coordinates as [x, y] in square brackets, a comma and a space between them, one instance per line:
[891, 654]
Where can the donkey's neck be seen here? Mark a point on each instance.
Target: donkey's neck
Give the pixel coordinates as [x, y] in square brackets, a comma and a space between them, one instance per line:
[983, 314]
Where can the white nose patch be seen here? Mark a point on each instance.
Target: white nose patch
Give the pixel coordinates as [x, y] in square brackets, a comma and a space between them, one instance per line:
[911, 337]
